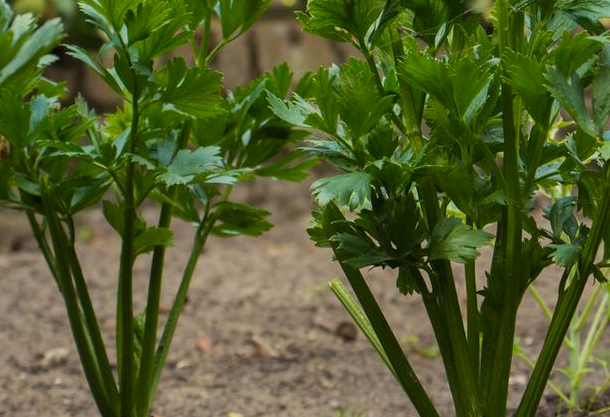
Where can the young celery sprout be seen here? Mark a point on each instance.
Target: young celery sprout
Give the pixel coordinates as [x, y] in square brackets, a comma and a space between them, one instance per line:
[444, 131]
[177, 141]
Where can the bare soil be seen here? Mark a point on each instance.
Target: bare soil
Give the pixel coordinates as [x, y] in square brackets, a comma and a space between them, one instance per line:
[261, 334]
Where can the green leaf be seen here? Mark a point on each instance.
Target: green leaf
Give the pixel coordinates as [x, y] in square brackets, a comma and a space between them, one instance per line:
[6, 14]
[89, 195]
[581, 146]
[193, 91]
[26, 185]
[40, 108]
[406, 282]
[151, 237]
[561, 216]
[565, 254]
[163, 38]
[14, 120]
[585, 12]
[470, 88]
[358, 251]
[352, 190]
[573, 52]
[601, 90]
[359, 102]
[295, 113]
[114, 215]
[286, 170]
[391, 10]
[279, 79]
[341, 19]
[454, 241]
[431, 15]
[429, 75]
[236, 17]
[240, 219]
[526, 76]
[108, 14]
[570, 93]
[199, 9]
[187, 164]
[394, 177]
[31, 49]
[316, 230]
[397, 225]
[146, 18]
[87, 58]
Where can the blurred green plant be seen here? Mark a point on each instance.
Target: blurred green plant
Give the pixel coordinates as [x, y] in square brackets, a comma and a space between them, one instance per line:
[445, 128]
[582, 344]
[347, 412]
[179, 141]
[78, 31]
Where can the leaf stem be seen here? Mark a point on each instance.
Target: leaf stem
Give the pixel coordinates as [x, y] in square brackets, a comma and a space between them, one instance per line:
[143, 389]
[202, 58]
[125, 333]
[203, 231]
[92, 327]
[407, 377]
[510, 280]
[465, 394]
[373, 67]
[473, 319]
[86, 351]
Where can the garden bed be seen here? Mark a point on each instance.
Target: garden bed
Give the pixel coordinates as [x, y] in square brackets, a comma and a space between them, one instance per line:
[261, 334]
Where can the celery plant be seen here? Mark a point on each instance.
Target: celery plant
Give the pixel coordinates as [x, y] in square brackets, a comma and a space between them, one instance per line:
[444, 128]
[178, 141]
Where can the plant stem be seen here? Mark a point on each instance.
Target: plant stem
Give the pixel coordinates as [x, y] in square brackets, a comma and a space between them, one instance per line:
[203, 48]
[92, 328]
[407, 377]
[472, 311]
[373, 67]
[203, 231]
[125, 334]
[433, 309]
[43, 245]
[86, 353]
[144, 392]
[465, 383]
[510, 280]
[537, 140]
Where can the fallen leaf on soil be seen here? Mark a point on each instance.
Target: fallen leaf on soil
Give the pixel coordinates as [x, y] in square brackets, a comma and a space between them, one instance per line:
[204, 345]
[263, 348]
[320, 324]
[183, 364]
[54, 357]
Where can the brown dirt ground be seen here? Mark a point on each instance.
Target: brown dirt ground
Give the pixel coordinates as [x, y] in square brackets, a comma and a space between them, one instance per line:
[258, 336]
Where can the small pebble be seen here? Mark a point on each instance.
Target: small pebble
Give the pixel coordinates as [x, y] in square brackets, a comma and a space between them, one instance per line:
[347, 331]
